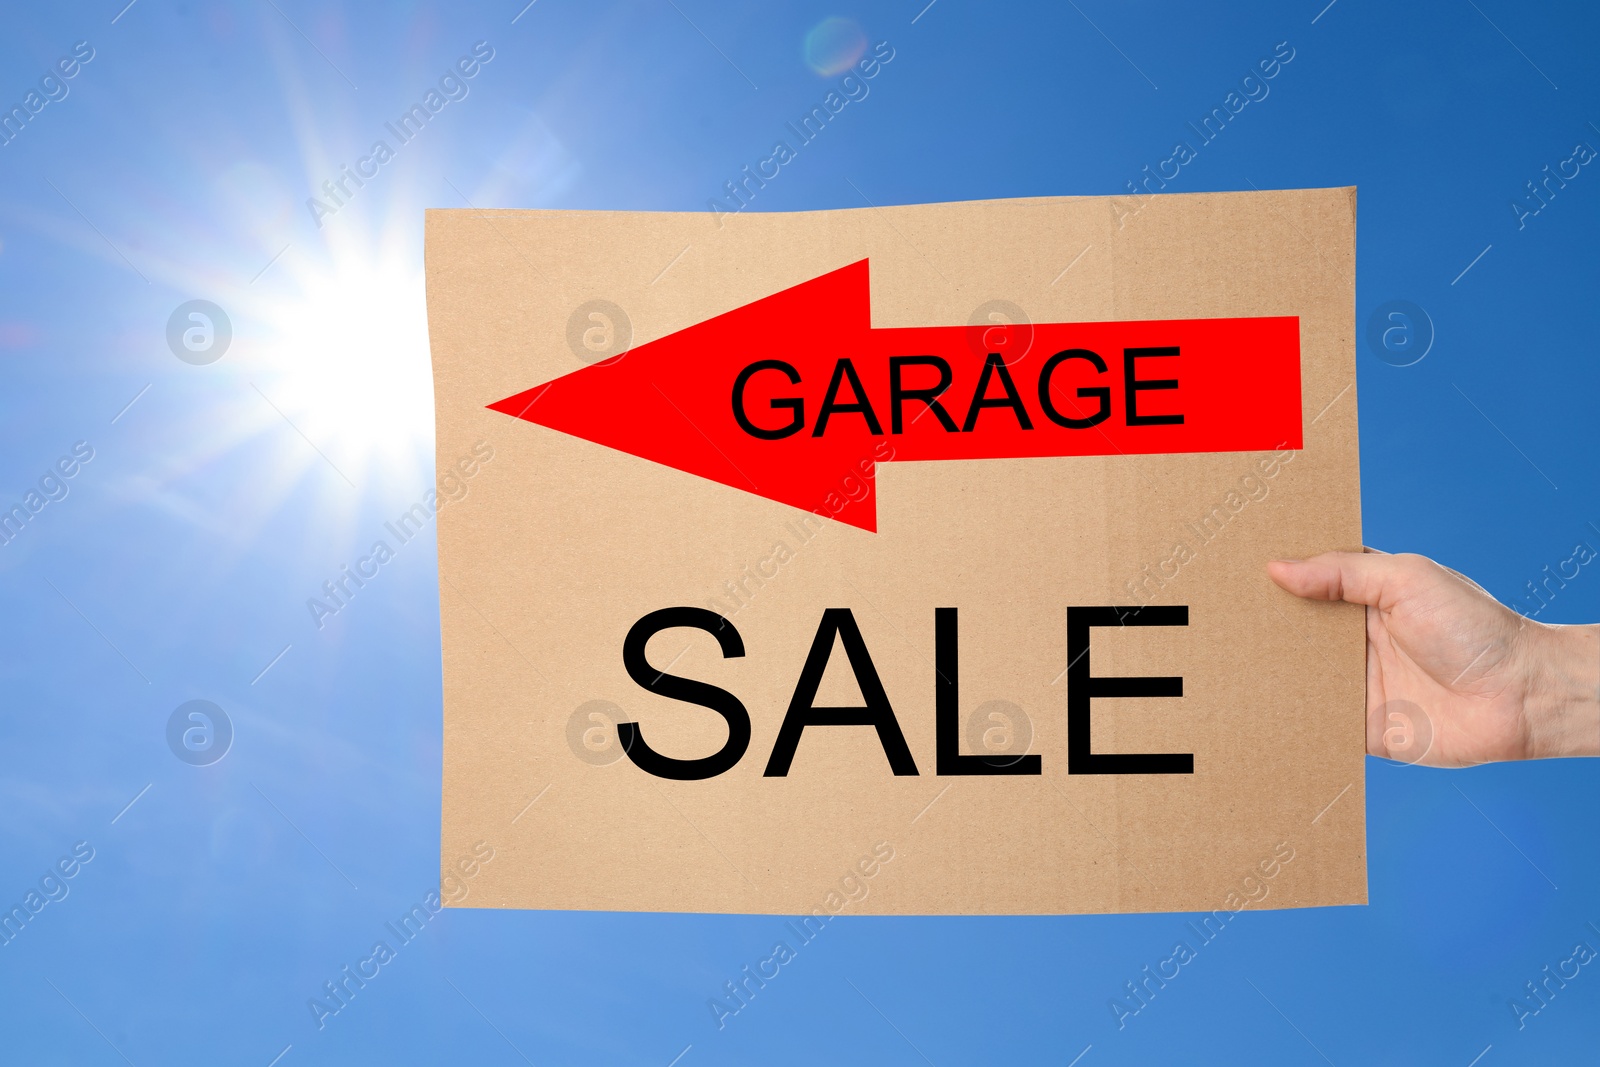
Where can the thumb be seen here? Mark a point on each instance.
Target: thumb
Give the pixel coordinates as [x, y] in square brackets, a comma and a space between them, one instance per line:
[1355, 577]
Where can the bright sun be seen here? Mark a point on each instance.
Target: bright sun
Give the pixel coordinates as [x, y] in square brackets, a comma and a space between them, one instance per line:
[342, 354]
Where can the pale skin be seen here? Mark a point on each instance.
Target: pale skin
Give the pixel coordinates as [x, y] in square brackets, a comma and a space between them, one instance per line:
[1491, 684]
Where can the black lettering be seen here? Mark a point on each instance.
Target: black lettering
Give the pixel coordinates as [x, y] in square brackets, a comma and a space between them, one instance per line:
[841, 370]
[1083, 688]
[994, 365]
[929, 396]
[1084, 391]
[1133, 385]
[947, 711]
[794, 403]
[687, 690]
[876, 713]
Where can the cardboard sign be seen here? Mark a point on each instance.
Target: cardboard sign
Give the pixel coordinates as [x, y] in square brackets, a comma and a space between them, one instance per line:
[899, 560]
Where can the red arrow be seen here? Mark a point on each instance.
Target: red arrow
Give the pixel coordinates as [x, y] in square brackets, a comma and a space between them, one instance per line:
[794, 397]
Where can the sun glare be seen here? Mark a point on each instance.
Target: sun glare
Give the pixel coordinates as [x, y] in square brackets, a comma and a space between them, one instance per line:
[343, 352]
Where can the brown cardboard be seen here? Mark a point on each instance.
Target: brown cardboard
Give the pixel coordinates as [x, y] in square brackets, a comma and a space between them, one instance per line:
[561, 544]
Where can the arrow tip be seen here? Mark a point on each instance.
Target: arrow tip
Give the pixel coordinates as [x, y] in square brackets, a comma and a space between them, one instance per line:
[517, 406]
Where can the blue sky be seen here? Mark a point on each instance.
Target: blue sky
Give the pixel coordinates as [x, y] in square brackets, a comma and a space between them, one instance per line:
[176, 165]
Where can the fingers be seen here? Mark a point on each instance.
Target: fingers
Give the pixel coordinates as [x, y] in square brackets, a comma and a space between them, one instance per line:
[1356, 577]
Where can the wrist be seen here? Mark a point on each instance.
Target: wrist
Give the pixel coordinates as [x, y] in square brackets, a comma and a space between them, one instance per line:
[1562, 702]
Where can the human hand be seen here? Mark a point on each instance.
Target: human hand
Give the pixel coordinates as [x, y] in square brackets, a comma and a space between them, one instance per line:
[1492, 684]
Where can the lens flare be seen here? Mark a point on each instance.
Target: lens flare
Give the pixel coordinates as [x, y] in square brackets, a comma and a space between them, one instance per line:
[833, 46]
